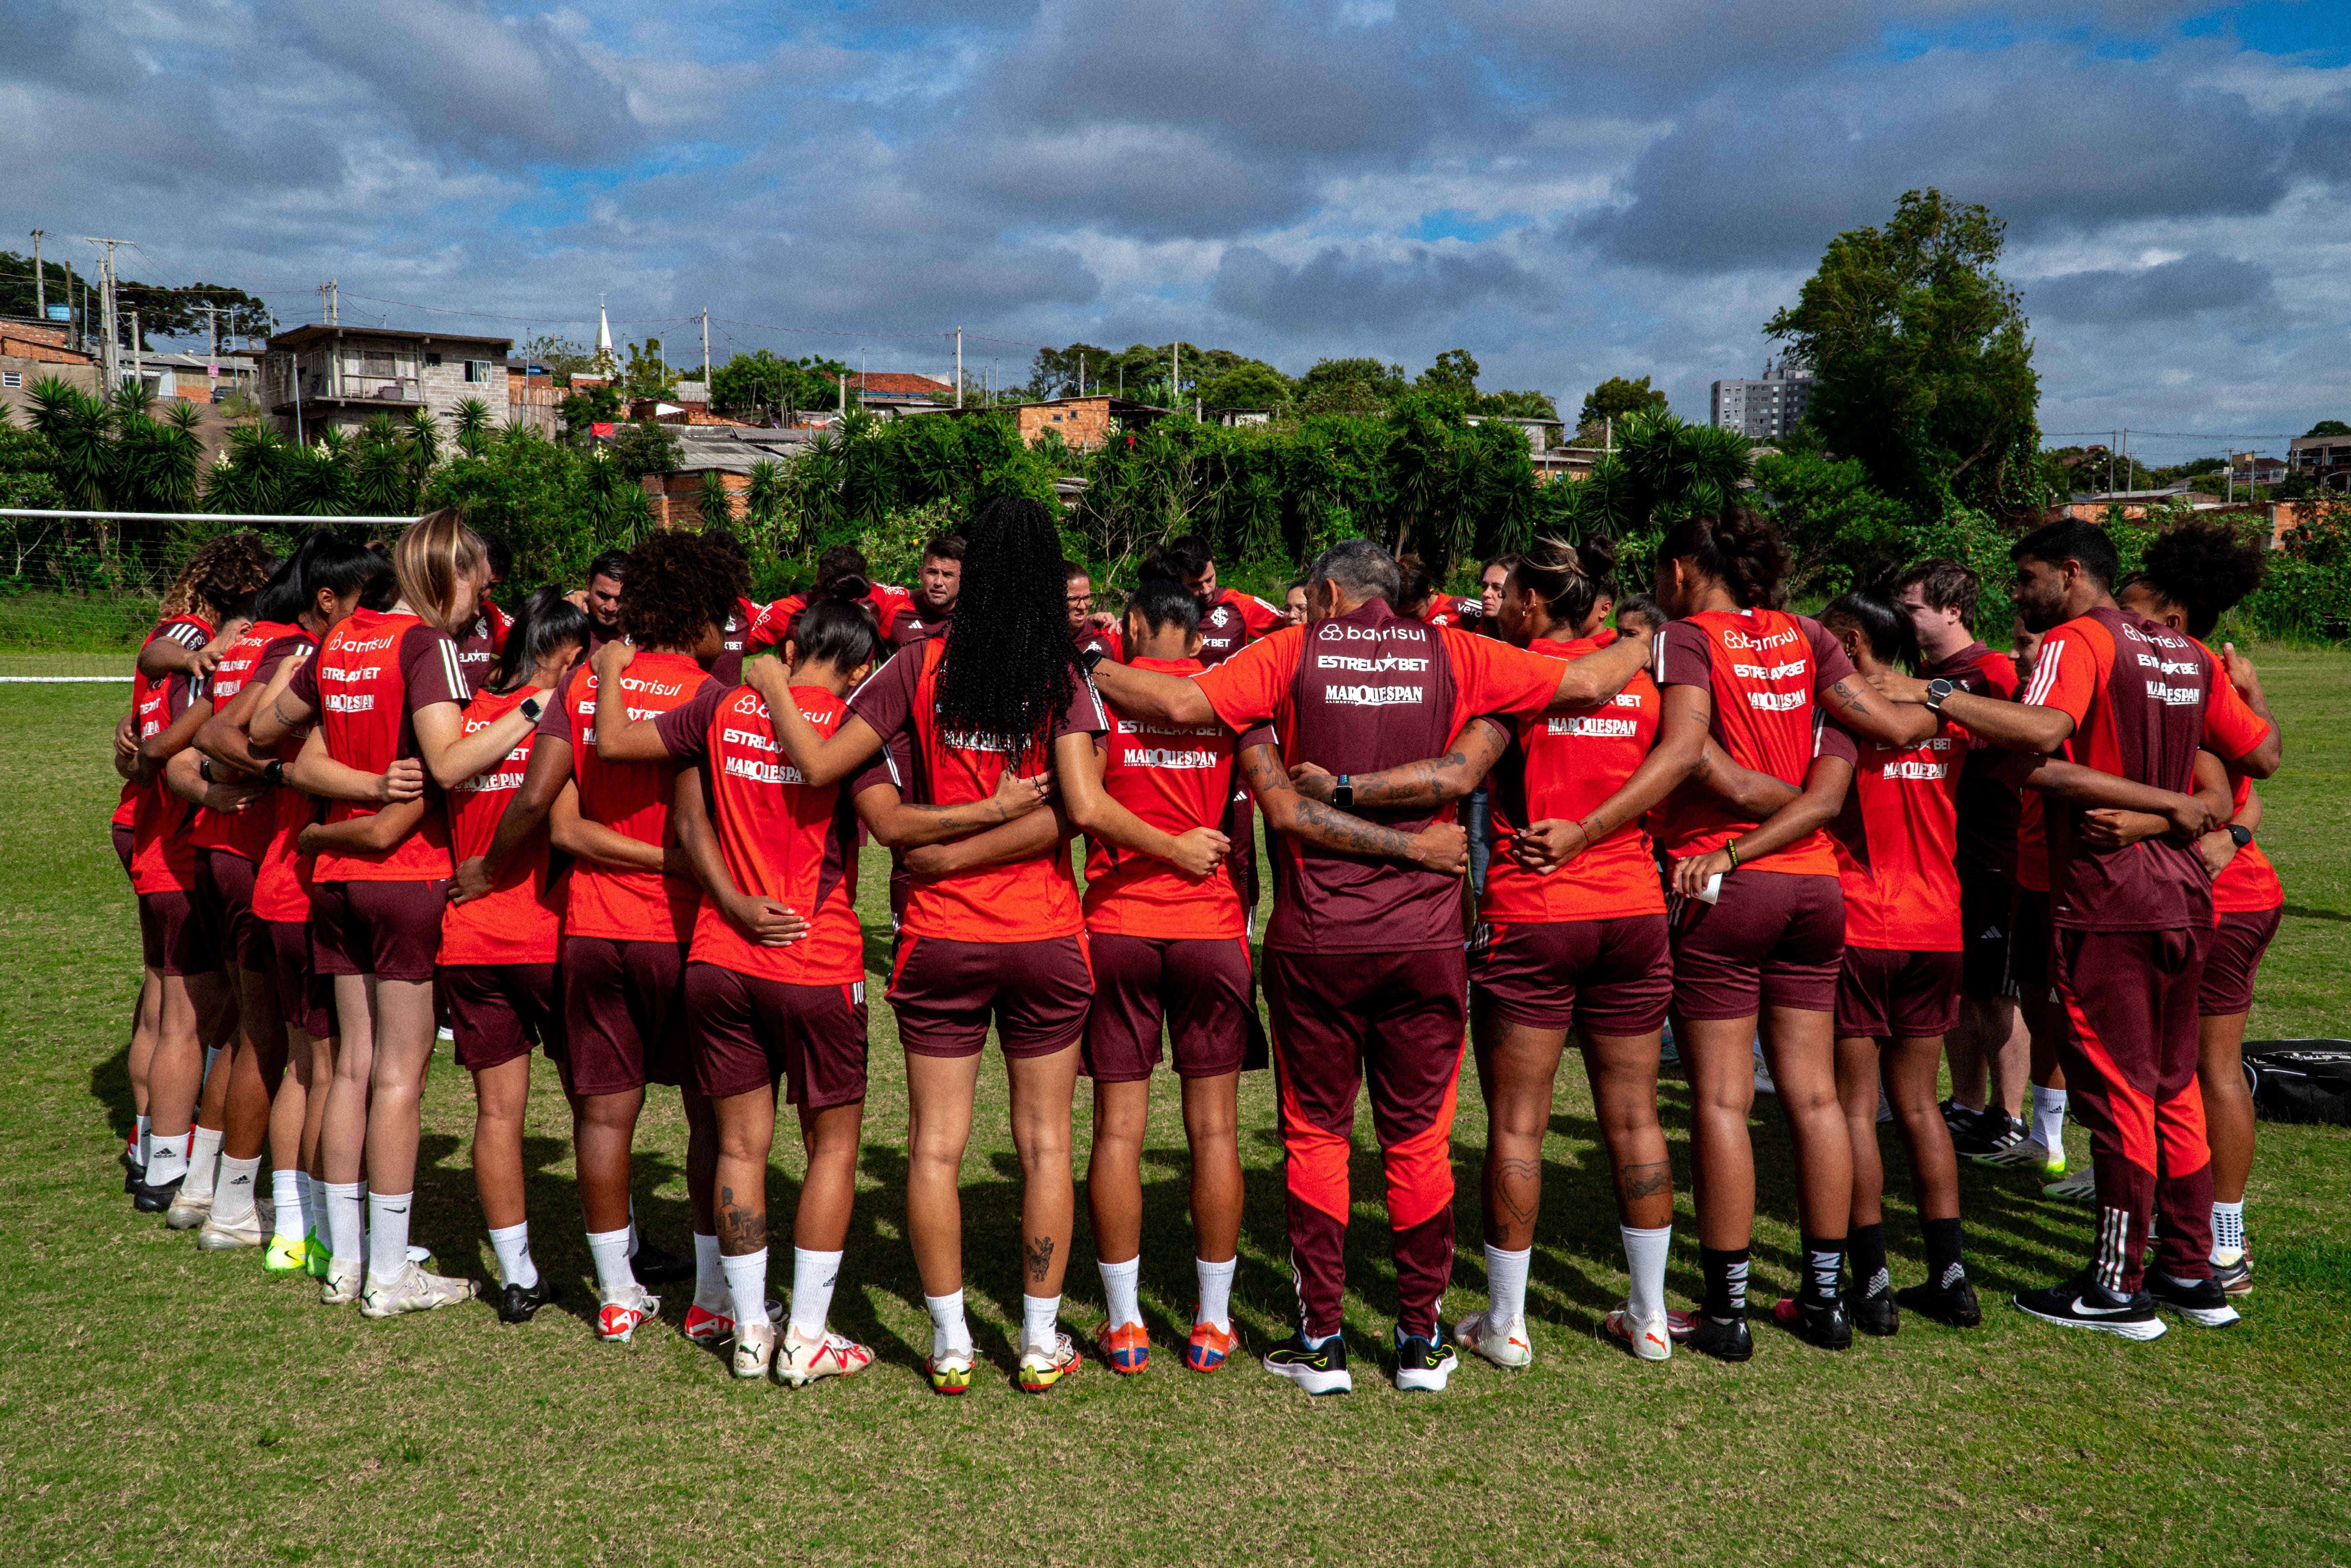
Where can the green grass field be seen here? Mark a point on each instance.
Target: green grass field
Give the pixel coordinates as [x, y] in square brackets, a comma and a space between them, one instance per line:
[160, 1404]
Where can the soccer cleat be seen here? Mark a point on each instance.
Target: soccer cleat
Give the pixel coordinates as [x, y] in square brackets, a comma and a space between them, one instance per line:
[1680, 1326]
[617, 1321]
[1822, 1324]
[2027, 1150]
[2236, 1276]
[1877, 1316]
[1955, 1305]
[1041, 1369]
[149, 1199]
[949, 1373]
[2203, 1303]
[317, 1255]
[755, 1350]
[1210, 1346]
[653, 1266]
[412, 1291]
[800, 1361]
[715, 1328]
[235, 1237]
[1317, 1368]
[286, 1257]
[1651, 1339]
[186, 1213]
[1126, 1349]
[1956, 1117]
[1725, 1339]
[2077, 1303]
[518, 1305]
[1504, 1344]
[342, 1284]
[2082, 1187]
[1990, 1133]
[1425, 1365]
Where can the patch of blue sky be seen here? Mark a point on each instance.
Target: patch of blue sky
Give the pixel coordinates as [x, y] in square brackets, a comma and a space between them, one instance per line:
[1452, 223]
[2319, 28]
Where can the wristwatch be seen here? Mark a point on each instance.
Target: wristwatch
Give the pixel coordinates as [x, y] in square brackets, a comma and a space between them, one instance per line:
[1342, 793]
[1090, 657]
[274, 774]
[530, 708]
[1937, 690]
[2242, 834]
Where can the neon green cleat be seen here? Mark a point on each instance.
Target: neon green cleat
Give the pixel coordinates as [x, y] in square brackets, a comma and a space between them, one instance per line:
[317, 1255]
[286, 1256]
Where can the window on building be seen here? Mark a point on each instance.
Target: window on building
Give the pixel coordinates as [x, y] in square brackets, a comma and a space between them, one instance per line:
[378, 364]
[432, 357]
[477, 369]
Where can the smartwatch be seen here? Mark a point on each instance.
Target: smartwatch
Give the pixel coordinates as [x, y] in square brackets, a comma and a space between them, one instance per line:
[530, 708]
[1342, 793]
[1937, 690]
[204, 770]
[1090, 657]
[2242, 834]
[275, 774]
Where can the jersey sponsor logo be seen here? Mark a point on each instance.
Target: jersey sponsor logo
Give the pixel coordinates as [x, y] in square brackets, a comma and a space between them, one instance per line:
[1911, 767]
[1340, 631]
[760, 772]
[1372, 696]
[750, 737]
[970, 741]
[651, 687]
[336, 672]
[1385, 663]
[1123, 726]
[1736, 639]
[1168, 757]
[1596, 727]
[2175, 696]
[1768, 672]
[2169, 666]
[495, 782]
[347, 701]
[373, 645]
[1778, 702]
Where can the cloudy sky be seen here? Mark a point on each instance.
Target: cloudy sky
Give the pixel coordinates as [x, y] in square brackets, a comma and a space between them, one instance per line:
[1570, 189]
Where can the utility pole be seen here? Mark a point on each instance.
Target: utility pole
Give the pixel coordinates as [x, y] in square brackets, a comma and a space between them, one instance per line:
[330, 303]
[706, 357]
[110, 367]
[40, 279]
[76, 329]
[2116, 438]
[212, 327]
[958, 367]
[1081, 375]
[137, 369]
[1176, 371]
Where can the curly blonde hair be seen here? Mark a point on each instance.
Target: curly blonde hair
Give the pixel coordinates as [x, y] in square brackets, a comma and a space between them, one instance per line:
[219, 574]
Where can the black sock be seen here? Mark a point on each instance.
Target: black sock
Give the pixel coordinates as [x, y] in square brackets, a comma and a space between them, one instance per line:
[1823, 1268]
[1944, 1269]
[1726, 1282]
[1867, 1246]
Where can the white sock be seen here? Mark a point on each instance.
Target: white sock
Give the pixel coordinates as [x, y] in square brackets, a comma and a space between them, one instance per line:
[312, 1194]
[512, 1244]
[813, 1276]
[747, 1288]
[633, 1240]
[2049, 1117]
[710, 1291]
[167, 1159]
[388, 1234]
[233, 1198]
[614, 1281]
[139, 1142]
[1506, 1283]
[204, 1163]
[1119, 1288]
[2228, 1231]
[1216, 1285]
[948, 1330]
[212, 1054]
[1040, 1322]
[346, 1234]
[1644, 1257]
[286, 1192]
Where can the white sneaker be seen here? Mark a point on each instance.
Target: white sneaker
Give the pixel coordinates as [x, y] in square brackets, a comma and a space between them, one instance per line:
[1504, 1344]
[412, 1291]
[2027, 1151]
[755, 1349]
[617, 1321]
[342, 1284]
[1651, 1339]
[187, 1213]
[236, 1234]
[802, 1361]
[2082, 1187]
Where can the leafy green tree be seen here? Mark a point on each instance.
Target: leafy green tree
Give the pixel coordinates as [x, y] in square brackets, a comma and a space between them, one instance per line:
[1454, 375]
[1350, 386]
[2327, 427]
[1663, 469]
[1251, 385]
[714, 501]
[562, 356]
[1925, 371]
[758, 383]
[1617, 398]
[599, 404]
[640, 447]
[28, 469]
[645, 375]
[1518, 404]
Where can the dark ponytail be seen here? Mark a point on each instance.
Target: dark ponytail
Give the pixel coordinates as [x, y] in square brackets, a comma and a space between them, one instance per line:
[545, 621]
[1569, 580]
[1741, 550]
[1883, 623]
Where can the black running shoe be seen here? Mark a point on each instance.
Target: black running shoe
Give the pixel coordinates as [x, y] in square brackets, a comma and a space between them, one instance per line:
[155, 1200]
[653, 1266]
[1957, 1117]
[1986, 1135]
[1956, 1306]
[1424, 1364]
[516, 1304]
[1819, 1323]
[2080, 1303]
[2202, 1301]
[1316, 1368]
[1723, 1340]
[2235, 1278]
[1876, 1316]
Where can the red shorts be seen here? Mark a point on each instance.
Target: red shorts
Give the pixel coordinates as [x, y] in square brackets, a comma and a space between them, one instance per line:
[746, 1032]
[2030, 937]
[305, 997]
[225, 894]
[1605, 977]
[1776, 939]
[498, 1011]
[173, 935]
[944, 991]
[1986, 906]
[1883, 993]
[124, 839]
[624, 1014]
[388, 929]
[1199, 986]
[2231, 958]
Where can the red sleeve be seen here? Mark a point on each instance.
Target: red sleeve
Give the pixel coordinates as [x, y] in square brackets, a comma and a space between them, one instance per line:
[304, 687]
[554, 718]
[500, 625]
[1259, 616]
[1260, 734]
[1498, 678]
[684, 730]
[2231, 728]
[769, 626]
[1829, 663]
[886, 700]
[429, 670]
[1249, 686]
[1998, 673]
[2066, 676]
[1831, 739]
[1685, 656]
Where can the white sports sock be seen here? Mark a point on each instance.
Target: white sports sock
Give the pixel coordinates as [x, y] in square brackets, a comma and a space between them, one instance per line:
[233, 1198]
[2049, 1117]
[1644, 1257]
[813, 1276]
[710, 1291]
[204, 1163]
[346, 1233]
[1506, 1283]
[1039, 1325]
[747, 1288]
[388, 1234]
[1119, 1282]
[286, 1192]
[512, 1245]
[312, 1193]
[212, 1054]
[167, 1160]
[1216, 1285]
[2228, 1231]
[139, 1142]
[614, 1279]
[634, 1241]
[948, 1330]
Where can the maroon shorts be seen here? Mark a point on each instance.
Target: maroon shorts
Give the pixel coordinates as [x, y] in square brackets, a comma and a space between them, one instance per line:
[498, 1011]
[2030, 937]
[1776, 939]
[1883, 993]
[388, 929]
[305, 997]
[2231, 958]
[1986, 905]
[746, 1032]
[174, 937]
[224, 894]
[1605, 977]
[1199, 986]
[624, 1014]
[946, 991]
[124, 839]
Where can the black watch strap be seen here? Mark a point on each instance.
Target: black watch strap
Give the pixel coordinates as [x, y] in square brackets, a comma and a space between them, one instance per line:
[1091, 656]
[2241, 834]
[1342, 793]
[275, 773]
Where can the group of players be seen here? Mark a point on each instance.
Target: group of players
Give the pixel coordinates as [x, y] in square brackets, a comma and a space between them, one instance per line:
[363, 805]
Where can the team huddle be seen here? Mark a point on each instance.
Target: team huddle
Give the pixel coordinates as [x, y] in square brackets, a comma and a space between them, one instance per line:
[365, 807]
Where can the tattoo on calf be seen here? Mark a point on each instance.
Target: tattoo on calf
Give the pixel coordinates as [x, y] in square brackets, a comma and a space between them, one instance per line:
[1040, 1253]
[1518, 1187]
[742, 1229]
[1646, 1181]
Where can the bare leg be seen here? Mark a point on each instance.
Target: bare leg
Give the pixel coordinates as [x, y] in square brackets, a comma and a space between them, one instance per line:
[256, 1064]
[324, 1050]
[1908, 1066]
[1114, 1170]
[175, 1072]
[146, 1027]
[215, 995]
[1043, 1089]
[1719, 1054]
[501, 1094]
[746, 1131]
[1800, 1048]
[1970, 1047]
[2010, 1057]
[829, 1191]
[404, 1030]
[342, 1135]
[702, 1160]
[1856, 1081]
[1515, 1067]
[1212, 1130]
[603, 1126]
[1624, 1072]
[2228, 1104]
[938, 1125]
[289, 1108]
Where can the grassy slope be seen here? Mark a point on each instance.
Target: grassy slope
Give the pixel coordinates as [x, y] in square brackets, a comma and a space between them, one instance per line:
[163, 1403]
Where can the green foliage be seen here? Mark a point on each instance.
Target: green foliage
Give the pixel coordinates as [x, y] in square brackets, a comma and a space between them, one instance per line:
[2327, 427]
[761, 384]
[599, 404]
[2306, 590]
[556, 506]
[1252, 385]
[28, 469]
[1838, 530]
[1616, 398]
[1350, 386]
[562, 356]
[1663, 470]
[714, 501]
[645, 375]
[640, 447]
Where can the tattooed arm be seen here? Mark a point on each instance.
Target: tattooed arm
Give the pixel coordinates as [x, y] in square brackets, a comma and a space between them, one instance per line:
[1432, 781]
[1440, 847]
[1853, 703]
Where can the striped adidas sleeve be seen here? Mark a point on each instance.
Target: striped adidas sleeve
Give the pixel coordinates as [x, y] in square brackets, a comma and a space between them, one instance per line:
[429, 668]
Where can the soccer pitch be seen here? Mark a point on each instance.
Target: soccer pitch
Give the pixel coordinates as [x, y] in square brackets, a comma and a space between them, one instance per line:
[163, 1404]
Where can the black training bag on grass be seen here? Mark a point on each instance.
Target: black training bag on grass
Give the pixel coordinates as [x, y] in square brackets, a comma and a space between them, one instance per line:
[2300, 1080]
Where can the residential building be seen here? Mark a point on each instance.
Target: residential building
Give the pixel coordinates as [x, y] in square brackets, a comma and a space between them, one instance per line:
[1541, 433]
[170, 375]
[533, 399]
[32, 350]
[2091, 505]
[1083, 423]
[1767, 409]
[315, 376]
[2326, 458]
[2254, 468]
[1566, 463]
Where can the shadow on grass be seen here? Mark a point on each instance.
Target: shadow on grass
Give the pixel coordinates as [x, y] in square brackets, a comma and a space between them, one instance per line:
[110, 1085]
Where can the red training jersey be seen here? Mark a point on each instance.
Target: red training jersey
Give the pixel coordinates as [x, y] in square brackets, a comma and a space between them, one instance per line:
[629, 798]
[365, 683]
[1175, 779]
[241, 832]
[521, 921]
[1234, 622]
[772, 624]
[281, 877]
[190, 633]
[1897, 837]
[1988, 809]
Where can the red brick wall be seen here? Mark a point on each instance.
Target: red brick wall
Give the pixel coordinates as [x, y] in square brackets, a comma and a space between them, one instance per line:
[1081, 421]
